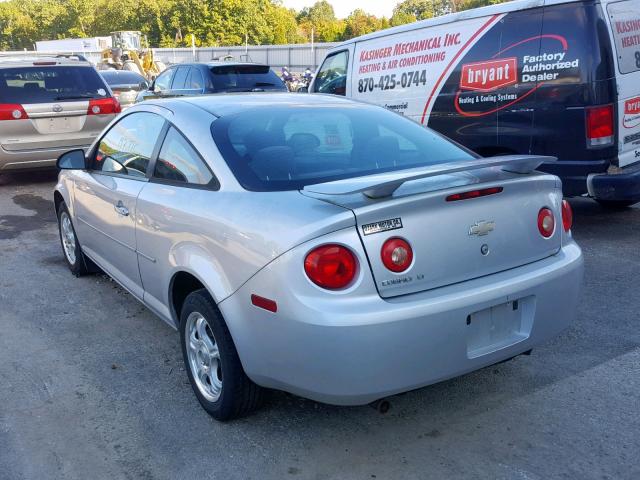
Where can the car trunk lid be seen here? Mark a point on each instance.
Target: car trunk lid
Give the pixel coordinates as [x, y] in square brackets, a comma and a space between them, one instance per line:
[453, 239]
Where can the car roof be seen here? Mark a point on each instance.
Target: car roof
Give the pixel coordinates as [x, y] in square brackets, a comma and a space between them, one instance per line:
[223, 104]
[15, 61]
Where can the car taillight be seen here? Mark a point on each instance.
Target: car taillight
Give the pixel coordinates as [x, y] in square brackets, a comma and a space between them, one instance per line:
[396, 254]
[12, 111]
[103, 106]
[331, 266]
[567, 216]
[474, 194]
[546, 222]
[600, 126]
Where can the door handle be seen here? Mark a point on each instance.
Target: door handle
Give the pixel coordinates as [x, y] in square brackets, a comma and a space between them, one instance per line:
[121, 209]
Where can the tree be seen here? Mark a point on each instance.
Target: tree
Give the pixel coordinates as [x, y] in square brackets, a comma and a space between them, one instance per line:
[322, 19]
[361, 23]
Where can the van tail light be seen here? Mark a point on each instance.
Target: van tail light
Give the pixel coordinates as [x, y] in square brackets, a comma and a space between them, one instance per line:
[396, 254]
[331, 266]
[104, 106]
[600, 126]
[546, 222]
[12, 111]
[567, 216]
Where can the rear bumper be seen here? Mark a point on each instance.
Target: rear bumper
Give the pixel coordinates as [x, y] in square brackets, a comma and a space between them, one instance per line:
[592, 178]
[574, 173]
[31, 159]
[351, 352]
[623, 186]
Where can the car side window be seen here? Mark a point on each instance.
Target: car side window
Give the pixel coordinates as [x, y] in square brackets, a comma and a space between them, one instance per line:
[195, 80]
[163, 81]
[179, 162]
[180, 78]
[127, 147]
[332, 77]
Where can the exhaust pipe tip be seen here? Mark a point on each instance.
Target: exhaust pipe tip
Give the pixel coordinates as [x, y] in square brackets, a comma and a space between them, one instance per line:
[382, 406]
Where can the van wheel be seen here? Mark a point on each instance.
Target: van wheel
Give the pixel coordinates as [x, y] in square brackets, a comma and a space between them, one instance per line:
[615, 204]
[76, 260]
[212, 362]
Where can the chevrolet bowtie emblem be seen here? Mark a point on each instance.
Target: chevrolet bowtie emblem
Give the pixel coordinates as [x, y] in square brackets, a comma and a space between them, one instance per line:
[482, 228]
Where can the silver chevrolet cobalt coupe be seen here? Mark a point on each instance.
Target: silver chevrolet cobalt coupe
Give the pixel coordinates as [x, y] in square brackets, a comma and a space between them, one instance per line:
[320, 246]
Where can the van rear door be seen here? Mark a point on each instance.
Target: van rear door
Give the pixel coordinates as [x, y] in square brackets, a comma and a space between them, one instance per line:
[48, 105]
[624, 24]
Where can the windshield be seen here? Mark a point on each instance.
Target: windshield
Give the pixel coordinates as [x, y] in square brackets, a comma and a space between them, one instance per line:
[287, 148]
[35, 84]
[243, 78]
[120, 77]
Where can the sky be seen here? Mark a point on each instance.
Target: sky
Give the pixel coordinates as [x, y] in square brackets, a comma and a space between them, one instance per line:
[379, 8]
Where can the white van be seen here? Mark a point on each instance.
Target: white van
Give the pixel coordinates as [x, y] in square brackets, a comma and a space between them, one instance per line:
[548, 77]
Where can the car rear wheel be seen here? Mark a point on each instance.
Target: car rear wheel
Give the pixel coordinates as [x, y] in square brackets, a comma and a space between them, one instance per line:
[76, 260]
[213, 366]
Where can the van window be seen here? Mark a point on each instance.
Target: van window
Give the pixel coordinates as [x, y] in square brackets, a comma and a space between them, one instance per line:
[50, 84]
[332, 77]
[625, 23]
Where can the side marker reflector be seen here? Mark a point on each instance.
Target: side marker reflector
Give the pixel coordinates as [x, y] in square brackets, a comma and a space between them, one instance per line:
[264, 303]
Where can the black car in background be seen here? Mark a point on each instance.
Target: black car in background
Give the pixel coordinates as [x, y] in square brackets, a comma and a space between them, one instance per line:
[213, 77]
[125, 85]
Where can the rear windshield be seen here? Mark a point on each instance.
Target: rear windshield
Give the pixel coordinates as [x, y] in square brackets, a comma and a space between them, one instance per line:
[40, 84]
[245, 78]
[122, 77]
[287, 148]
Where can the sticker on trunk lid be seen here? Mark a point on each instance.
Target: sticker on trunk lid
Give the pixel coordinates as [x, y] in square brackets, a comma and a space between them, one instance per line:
[382, 226]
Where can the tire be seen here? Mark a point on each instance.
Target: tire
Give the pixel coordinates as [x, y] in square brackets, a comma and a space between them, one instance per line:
[615, 204]
[220, 384]
[76, 261]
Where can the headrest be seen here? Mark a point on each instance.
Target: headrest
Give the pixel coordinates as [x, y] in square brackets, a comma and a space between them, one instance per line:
[383, 150]
[273, 163]
[303, 143]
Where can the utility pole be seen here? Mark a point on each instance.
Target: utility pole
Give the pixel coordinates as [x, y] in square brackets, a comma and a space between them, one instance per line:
[313, 51]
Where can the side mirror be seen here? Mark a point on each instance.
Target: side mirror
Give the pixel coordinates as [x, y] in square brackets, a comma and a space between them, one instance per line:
[155, 88]
[144, 85]
[303, 90]
[72, 160]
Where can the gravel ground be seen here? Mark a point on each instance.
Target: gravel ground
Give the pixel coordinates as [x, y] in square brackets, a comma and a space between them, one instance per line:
[92, 384]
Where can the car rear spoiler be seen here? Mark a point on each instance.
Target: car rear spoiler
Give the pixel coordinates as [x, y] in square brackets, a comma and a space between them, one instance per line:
[384, 184]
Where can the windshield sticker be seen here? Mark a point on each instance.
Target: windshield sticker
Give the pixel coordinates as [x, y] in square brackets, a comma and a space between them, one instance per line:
[102, 92]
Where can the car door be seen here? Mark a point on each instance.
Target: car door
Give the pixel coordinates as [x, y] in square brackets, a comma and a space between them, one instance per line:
[106, 195]
[170, 214]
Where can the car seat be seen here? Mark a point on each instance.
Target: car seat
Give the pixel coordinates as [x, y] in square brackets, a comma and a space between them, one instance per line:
[381, 152]
[273, 163]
